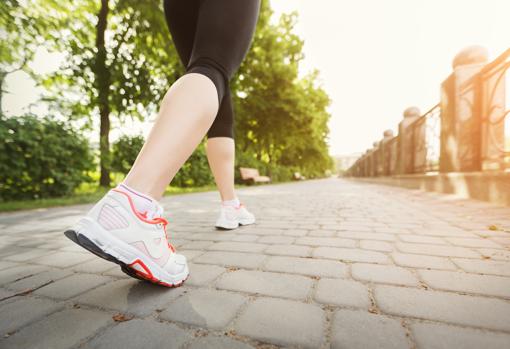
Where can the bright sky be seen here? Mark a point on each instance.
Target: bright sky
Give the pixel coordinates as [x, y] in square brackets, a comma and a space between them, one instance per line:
[376, 57]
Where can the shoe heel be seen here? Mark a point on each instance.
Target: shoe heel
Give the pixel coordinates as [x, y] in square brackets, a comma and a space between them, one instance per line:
[87, 244]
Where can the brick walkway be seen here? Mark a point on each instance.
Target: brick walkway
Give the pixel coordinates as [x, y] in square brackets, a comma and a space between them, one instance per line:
[330, 263]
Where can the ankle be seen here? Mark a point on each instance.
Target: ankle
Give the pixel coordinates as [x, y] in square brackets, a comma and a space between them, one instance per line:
[232, 203]
[144, 203]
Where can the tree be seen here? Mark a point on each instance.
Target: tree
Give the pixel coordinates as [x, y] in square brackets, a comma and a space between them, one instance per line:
[119, 62]
[18, 41]
[281, 118]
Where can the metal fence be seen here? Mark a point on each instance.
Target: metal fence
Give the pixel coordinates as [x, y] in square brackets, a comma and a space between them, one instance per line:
[468, 130]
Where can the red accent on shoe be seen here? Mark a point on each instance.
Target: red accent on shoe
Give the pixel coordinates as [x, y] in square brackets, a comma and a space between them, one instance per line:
[149, 276]
[143, 216]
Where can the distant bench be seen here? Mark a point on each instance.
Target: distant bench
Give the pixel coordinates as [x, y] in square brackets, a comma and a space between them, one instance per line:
[298, 177]
[252, 175]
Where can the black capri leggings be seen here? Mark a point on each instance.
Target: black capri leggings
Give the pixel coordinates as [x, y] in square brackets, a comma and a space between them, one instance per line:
[212, 38]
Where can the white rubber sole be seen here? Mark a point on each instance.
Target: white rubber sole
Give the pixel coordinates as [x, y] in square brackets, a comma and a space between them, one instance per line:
[229, 225]
[127, 254]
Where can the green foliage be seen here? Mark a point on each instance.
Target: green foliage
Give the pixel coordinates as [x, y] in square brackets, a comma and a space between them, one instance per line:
[195, 172]
[124, 152]
[140, 61]
[40, 158]
[18, 41]
[282, 118]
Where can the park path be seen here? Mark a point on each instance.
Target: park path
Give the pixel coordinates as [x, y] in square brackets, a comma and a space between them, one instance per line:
[330, 264]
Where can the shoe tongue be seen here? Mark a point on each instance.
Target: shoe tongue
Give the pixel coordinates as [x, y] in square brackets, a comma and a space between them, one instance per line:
[155, 211]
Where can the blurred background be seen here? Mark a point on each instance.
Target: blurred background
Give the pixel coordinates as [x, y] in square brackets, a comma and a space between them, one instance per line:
[322, 81]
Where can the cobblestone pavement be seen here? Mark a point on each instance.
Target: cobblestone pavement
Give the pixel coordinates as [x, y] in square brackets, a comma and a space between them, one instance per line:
[330, 264]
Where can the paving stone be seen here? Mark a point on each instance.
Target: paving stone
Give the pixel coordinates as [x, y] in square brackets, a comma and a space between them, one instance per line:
[141, 333]
[11, 249]
[422, 261]
[190, 254]
[4, 294]
[213, 342]
[21, 311]
[360, 329]
[72, 286]
[422, 239]
[17, 273]
[383, 274]
[350, 254]
[64, 259]
[266, 283]
[306, 266]
[283, 322]
[443, 336]
[205, 308]
[376, 245]
[476, 242]
[245, 238]
[474, 311]
[26, 256]
[236, 259]
[201, 274]
[437, 250]
[483, 266]
[131, 296]
[495, 254]
[8, 265]
[196, 245]
[39, 279]
[296, 232]
[276, 239]
[238, 247]
[94, 266]
[469, 283]
[323, 233]
[380, 225]
[342, 292]
[259, 230]
[67, 328]
[289, 250]
[212, 236]
[116, 272]
[444, 232]
[330, 242]
[366, 235]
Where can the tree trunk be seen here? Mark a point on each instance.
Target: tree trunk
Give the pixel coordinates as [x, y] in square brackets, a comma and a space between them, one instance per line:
[102, 82]
[2, 79]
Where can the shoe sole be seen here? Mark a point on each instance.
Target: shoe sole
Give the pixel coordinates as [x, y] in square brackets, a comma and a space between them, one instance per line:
[239, 224]
[90, 246]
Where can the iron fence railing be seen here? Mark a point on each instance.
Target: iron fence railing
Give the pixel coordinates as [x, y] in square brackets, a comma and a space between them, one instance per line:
[469, 130]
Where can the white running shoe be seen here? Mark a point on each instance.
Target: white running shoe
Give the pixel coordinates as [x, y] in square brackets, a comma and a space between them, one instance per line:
[232, 217]
[115, 231]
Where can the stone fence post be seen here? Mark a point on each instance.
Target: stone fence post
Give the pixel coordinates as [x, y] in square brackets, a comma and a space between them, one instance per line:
[406, 141]
[460, 112]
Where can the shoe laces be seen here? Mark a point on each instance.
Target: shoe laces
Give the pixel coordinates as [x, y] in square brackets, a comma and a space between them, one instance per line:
[155, 218]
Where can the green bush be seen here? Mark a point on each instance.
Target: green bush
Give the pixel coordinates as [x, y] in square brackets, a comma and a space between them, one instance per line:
[41, 158]
[124, 152]
[195, 172]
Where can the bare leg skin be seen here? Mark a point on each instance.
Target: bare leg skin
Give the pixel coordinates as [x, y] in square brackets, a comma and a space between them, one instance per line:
[186, 113]
[221, 156]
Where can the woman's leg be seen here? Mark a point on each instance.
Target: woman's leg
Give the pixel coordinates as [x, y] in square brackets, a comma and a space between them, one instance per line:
[221, 149]
[126, 226]
[221, 156]
[187, 112]
[222, 36]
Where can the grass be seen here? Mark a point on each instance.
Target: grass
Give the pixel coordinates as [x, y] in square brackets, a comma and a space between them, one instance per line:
[86, 194]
